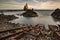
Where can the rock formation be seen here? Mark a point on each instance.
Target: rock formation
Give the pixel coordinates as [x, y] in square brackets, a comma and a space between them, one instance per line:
[56, 14]
[26, 7]
[4, 18]
[29, 12]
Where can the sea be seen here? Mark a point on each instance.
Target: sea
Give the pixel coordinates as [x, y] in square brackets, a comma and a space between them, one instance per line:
[44, 17]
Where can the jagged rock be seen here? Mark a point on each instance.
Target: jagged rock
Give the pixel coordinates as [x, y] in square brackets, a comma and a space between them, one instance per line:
[56, 14]
[30, 13]
[7, 17]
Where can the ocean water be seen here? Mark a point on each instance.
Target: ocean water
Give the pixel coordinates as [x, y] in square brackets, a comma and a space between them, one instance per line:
[44, 17]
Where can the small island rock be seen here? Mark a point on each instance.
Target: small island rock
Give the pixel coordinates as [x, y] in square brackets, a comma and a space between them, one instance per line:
[30, 13]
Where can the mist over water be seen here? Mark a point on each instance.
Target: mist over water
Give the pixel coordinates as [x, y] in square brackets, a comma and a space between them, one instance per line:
[43, 18]
[35, 20]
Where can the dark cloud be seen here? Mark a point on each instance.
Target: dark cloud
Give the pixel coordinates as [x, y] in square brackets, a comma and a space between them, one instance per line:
[48, 0]
[1, 1]
[33, 3]
[28, 1]
[56, 0]
[5, 1]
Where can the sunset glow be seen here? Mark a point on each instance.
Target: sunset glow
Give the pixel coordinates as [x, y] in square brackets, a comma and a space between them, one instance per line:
[36, 4]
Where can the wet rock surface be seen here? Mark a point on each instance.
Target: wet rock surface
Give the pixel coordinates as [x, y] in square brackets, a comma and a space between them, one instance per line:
[12, 31]
[7, 17]
[28, 32]
[4, 24]
[56, 14]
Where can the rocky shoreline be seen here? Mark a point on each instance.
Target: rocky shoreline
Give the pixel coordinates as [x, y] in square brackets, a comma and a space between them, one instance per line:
[12, 31]
[7, 17]
[36, 32]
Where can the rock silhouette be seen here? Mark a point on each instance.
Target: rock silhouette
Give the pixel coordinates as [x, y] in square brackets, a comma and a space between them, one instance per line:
[56, 14]
[30, 13]
[7, 17]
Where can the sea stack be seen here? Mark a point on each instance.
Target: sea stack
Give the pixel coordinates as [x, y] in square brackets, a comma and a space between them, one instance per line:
[26, 7]
[56, 14]
[29, 12]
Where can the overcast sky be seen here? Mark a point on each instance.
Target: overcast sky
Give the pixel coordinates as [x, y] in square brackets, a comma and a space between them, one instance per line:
[36, 4]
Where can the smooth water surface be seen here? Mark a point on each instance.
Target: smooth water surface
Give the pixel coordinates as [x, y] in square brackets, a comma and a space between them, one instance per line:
[43, 18]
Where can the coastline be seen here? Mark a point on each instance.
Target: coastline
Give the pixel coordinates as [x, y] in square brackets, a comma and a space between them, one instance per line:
[12, 31]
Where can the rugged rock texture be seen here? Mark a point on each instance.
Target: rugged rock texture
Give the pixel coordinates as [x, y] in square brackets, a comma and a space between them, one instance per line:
[21, 32]
[56, 14]
[30, 13]
[6, 17]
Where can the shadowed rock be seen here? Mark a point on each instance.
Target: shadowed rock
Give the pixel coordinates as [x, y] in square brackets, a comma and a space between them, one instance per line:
[30, 13]
[7, 17]
[56, 14]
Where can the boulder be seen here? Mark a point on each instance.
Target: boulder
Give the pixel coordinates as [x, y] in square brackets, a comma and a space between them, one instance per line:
[56, 14]
[30, 13]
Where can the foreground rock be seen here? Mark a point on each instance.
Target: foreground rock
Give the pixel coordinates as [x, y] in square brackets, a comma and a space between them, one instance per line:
[30, 13]
[12, 31]
[31, 32]
[56, 14]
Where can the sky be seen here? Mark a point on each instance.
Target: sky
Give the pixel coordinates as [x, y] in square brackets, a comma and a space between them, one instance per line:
[35, 4]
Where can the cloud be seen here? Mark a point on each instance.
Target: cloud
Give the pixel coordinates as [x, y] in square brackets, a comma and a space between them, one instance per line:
[46, 5]
[48, 0]
[41, 4]
[12, 2]
[9, 6]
